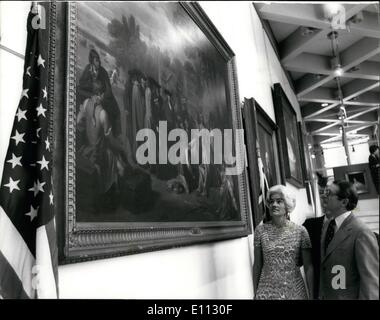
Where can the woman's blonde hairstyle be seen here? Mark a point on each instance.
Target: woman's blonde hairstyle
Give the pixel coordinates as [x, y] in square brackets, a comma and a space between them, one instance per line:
[290, 200]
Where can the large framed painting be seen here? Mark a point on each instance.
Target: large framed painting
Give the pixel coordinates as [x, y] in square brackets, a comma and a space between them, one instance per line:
[286, 119]
[148, 132]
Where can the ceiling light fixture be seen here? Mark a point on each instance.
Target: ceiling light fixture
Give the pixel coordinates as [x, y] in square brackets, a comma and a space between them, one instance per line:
[335, 60]
[338, 21]
[335, 14]
[332, 9]
[342, 112]
[338, 71]
[324, 105]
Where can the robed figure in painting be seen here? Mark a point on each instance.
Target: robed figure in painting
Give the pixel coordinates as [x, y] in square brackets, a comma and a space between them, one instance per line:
[101, 151]
[95, 71]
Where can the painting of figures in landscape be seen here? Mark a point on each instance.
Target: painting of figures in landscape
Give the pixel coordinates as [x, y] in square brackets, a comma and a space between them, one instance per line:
[138, 64]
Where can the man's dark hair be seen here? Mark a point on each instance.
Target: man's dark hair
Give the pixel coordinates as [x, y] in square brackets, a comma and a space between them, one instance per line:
[373, 148]
[347, 191]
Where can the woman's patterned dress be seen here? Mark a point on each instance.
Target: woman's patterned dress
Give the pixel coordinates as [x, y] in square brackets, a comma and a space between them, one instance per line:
[282, 257]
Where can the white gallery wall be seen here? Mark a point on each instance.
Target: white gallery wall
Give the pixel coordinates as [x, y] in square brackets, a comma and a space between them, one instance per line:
[217, 270]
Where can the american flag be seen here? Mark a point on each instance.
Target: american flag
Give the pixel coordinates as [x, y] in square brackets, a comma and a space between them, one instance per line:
[28, 251]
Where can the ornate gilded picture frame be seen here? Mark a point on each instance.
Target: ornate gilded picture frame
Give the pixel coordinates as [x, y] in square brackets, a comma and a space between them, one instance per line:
[127, 67]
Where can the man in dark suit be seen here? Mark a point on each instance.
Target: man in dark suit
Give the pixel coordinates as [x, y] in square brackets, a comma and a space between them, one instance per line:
[349, 249]
[314, 228]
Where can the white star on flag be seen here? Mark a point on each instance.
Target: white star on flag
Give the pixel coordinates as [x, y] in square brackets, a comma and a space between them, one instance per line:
[18, 137]
[47, 144]
[41, 110]
[51, 197]
[25, 93]
[45, 92]
[27, 71]
[37, 187]
[21, 114]
[12, 185]
[43, 163]
[40, 61]
[32, 213]
[15, 161]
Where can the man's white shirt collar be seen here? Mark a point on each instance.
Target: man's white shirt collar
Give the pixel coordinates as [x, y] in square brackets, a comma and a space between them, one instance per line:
[338, 220]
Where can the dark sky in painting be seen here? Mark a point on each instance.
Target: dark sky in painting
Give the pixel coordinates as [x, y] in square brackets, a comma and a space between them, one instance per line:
[165, 25]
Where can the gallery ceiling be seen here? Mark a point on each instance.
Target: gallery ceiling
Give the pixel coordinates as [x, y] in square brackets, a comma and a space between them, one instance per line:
[307, 37]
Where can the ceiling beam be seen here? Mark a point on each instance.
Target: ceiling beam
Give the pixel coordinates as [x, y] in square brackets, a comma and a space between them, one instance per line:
[333, 120]
[348, 118]
[368, 27]
[321, 95]
[354, 55]
[298, 14]
[335, 130]
[351, 134]
[310, 63]
[308, 108]
[296, 43]
[350, 137]
[320, 65]
[310, 82]
[367, 99]
[361, 126]
[358, 87]
[351, 90]
[303, 15]
[369, 70]
[360, 51]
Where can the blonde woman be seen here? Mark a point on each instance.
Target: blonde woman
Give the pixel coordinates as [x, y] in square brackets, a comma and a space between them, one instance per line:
[281, 248]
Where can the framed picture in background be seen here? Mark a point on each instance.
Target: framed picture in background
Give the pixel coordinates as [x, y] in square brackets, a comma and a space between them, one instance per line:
[250, 134]
[290, 141]
[306, 171]
[267, 137]
[360, 176]
[359, 179]
[140, 66]
[260, 134]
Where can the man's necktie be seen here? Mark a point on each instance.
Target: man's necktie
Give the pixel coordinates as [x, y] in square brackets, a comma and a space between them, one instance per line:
[330, 233]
